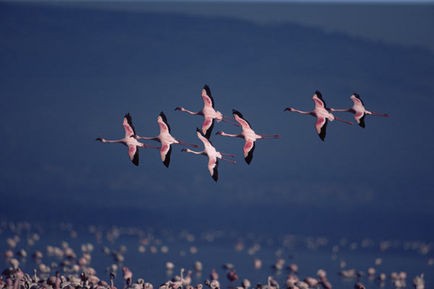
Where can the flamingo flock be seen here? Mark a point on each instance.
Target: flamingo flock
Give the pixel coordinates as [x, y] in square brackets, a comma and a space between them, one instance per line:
[33, 262]
[321, 112]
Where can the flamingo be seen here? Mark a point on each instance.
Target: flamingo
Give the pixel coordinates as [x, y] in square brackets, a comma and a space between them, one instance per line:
[359, 110]
[165, 138]
[208, 112]
[129, 140]
[248, 134]
[212, 153]
[128, 276]
[322, 114]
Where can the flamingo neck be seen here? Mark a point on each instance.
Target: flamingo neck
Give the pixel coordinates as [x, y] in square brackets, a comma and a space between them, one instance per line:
[191, 112]
[301, 111]
[113, 140]
[229, 134]
[156, 138]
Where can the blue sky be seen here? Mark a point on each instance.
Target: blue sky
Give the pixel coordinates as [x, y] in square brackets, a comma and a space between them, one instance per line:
[70, 74]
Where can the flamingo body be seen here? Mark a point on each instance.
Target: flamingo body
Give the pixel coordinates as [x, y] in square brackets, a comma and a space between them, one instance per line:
[208, 112]
[248, 134]
[359, 110]
[165, 138]
[211, 152]
[130, 140]
[322, 114]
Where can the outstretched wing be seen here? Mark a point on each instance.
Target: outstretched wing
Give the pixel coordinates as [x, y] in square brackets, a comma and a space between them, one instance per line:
[207, 126]
[359, 116]
[133, 153]
[249, 147]
[212, 167]
[321, 126]
[361, 121]
[128, 126]
[207, 97]
[165, 152]
[163, 123]
[240, 119]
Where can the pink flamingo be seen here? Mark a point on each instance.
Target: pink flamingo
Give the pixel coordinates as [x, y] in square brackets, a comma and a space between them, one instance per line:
[248, 134]
[208, 112]
[322, 114]
[128, 276]
[129, 140]
[166, 139]
[359, 110]
[212, 153]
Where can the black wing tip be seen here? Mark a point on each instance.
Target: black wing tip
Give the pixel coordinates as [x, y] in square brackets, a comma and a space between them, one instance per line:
[362, 122]
[215, 175]
[322, 133]
[207, 89]
[128, 117]
[135, 160]
[234, 111]
[248, 159]
[166, 161]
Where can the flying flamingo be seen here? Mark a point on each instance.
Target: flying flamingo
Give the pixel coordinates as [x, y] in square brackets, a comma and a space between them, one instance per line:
[359, 110]
[248, 134]
[208, 112]
[322, 114]
[212, 153]
[165, 138]
[129, 140]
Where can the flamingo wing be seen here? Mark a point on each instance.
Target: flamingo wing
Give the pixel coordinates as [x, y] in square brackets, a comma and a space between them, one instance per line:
[128, 126]
[249, 147]
[212, 167]
[165, 152]
[240, 119]
[163, 123]
[362, 121]
[133, 153]
[318, 100]
[207, 126]
[321, 126]
[359, 116]
[208, 101]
